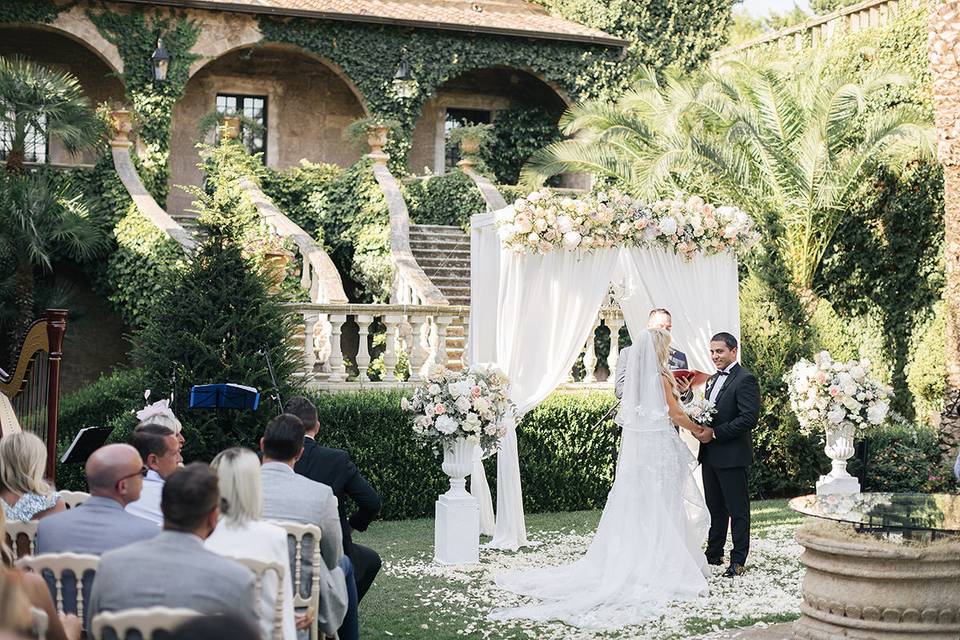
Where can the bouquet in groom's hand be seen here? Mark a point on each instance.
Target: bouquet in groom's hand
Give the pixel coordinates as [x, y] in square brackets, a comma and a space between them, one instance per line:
[700, 410]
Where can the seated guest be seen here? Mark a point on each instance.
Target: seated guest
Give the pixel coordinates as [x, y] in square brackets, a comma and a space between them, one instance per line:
[334, 468]
[115, 476]
[160, 451]
[241, 533]
[160, 413]
[33, 588]
[24, 493]
[173, 569]
[288, 496]
[216, 628]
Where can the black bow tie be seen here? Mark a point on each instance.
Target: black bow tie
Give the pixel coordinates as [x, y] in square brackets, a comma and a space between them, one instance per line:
[723, 373]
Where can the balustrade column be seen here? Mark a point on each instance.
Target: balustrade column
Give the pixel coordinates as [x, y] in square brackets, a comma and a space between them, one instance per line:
[590, 356]
[309, 349]
[465, 355]
[363, 352]
[392, 322]
[338, 372]
[417, 354]
[613, 358]
[442, 323]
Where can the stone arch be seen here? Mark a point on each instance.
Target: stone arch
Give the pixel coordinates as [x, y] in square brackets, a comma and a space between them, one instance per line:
[308, 102]
[484, 89]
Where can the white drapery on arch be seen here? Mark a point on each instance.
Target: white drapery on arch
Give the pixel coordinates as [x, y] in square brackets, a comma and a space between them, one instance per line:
[530, 315]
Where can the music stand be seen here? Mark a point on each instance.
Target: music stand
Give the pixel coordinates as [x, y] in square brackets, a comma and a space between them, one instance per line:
[87, 440]
[224, 395]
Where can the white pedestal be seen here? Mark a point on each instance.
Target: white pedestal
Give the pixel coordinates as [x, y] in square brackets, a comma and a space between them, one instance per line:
[837, 485]
[457, 529]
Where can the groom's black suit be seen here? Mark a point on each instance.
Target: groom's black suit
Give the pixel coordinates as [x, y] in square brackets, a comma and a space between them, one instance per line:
[725, 460]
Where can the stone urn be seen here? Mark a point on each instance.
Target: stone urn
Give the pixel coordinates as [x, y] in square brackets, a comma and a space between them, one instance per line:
[231, 127]
[469, 145]
[860, 586]
[275, 261]
[122, 125]
[457, 464]
[839, 448]
[377, 139]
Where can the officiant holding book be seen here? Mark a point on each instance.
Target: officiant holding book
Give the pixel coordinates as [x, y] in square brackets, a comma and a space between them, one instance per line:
[658, 319]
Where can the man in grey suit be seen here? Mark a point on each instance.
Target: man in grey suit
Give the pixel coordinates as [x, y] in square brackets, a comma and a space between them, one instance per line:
[173, 569]
[658, 319]
[115, 476]
[290, 496]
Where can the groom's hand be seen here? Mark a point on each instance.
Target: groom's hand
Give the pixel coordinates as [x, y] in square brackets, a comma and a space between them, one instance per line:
[706, 435]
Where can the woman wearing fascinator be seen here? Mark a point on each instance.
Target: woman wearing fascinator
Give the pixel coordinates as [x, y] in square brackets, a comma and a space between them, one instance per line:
[160, 413]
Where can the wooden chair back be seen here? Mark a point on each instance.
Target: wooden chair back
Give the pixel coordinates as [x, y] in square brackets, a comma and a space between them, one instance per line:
[73, 498]
[147, 621]
[59, 564]
[311, 600]
[22, 537]
[260, 570]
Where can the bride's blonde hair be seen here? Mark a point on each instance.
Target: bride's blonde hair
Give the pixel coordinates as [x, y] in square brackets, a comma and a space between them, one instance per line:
[661, 346]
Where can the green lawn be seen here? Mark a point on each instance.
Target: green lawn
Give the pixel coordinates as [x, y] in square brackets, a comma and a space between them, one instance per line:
[413, 598]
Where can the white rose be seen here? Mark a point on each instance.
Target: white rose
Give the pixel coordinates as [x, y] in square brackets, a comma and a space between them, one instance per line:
[473, 440]
[434, 389]
[523, 224]
[472, 420]
[667, 226]
[463, 404]
[857, 372]
[564, 224]
[481, 405]
[836, 415]
[446, 425]
[877, 412]
[571, 240]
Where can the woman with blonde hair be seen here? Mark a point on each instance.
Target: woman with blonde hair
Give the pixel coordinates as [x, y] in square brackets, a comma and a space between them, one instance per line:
[19, 591]
[647, 550]
[24, 493]
[241, 533]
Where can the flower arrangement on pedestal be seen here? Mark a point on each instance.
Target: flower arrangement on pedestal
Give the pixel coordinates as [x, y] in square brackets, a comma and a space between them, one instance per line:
[543, 222]
[452, 405]
[841, 399]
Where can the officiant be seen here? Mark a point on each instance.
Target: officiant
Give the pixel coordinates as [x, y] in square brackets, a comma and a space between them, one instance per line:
[658, 319]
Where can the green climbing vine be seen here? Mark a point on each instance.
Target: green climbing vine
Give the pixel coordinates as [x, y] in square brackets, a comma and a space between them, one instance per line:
[368, 54]
[27, 11]
[135, 36]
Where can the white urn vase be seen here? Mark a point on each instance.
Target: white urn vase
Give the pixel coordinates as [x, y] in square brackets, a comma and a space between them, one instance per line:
[839, 449]
[457, 525]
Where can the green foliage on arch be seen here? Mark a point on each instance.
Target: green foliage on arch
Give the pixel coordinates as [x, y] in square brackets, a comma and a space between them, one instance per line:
[27, 11]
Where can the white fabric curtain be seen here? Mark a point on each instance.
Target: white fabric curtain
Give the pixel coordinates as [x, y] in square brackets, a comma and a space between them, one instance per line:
[701, 295]
[548, 305]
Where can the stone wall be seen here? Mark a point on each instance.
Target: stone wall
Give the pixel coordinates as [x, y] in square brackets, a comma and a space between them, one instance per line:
[308, 107]
[64, 53]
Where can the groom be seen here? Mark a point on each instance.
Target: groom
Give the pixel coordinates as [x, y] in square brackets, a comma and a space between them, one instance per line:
[726, 452]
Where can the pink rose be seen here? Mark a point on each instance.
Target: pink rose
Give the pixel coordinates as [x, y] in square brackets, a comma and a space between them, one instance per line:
[439, 410]
[640, 224]
[475, 392]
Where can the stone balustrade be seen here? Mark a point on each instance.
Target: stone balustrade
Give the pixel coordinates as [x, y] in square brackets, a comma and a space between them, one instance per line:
[337, 344]
[820, 31]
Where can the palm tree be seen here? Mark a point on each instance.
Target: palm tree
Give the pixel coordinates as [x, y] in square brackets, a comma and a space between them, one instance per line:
[944, 24]
[46, 102]
[773, 139]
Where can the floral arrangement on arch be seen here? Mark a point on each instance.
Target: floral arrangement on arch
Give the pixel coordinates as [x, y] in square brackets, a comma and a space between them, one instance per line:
[544, 221]
[452, 404]
[828, 395]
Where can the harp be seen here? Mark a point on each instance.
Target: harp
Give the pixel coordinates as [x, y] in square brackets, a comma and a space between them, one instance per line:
[30, 392]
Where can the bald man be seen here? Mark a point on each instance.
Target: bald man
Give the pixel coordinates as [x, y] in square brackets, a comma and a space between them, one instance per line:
[115, 477]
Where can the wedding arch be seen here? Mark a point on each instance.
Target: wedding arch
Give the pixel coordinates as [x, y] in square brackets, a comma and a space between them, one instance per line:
[540, 270]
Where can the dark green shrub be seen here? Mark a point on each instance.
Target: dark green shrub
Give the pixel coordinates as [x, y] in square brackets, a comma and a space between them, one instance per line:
[517, 133]
[926, 373]
[448, 199]
[904, 458]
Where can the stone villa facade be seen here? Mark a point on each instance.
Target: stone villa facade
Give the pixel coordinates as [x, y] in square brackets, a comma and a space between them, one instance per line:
[303, 100]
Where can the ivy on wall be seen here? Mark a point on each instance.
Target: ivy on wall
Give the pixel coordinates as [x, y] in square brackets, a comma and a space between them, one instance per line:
[26, 11]
[368, 55]
[135, 35]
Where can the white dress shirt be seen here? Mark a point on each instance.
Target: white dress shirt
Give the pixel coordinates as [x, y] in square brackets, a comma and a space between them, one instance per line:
[265, 542]
[715, 391]
[148, 506]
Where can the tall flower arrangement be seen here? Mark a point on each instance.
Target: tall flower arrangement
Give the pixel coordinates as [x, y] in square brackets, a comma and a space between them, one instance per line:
[544, 221]
[826, 394]
[452, 405]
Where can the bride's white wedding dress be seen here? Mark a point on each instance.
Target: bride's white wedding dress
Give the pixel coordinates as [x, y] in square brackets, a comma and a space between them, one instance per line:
[647, 548]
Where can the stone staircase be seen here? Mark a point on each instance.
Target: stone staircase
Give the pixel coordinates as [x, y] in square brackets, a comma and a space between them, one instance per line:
[189, 222]
[444, 255]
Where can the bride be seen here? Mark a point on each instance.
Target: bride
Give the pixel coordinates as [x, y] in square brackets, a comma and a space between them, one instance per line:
[647, 549]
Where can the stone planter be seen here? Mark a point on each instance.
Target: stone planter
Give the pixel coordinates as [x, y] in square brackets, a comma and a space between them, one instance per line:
[839, 448]
[122, 122]
[231, 127]
[469, 146]
[863, 587]
[275, 263]
[456, 533]
[457, 464]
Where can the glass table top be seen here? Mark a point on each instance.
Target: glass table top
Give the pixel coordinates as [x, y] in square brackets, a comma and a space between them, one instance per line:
[933, 512]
